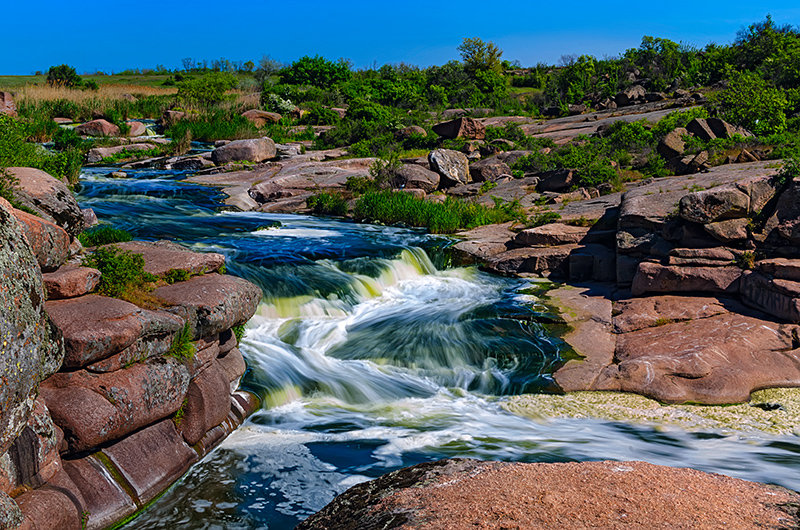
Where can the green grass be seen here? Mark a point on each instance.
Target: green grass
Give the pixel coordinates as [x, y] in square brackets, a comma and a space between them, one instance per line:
[126, 155]
[103, 235]
[182, 347]
[328, 203]
[390, 207]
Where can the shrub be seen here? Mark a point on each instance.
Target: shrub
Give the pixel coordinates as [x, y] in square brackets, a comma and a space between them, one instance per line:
[103, 235]
[316, 71]
[176, 275]
[238, 331]
[677, 119]
[751, 102]
[16, 151]
[327, 203]
[121, 270]
[207, 89]
[63, 76]
[542, 218]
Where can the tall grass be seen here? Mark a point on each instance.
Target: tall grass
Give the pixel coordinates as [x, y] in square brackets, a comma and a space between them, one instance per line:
[451, 215]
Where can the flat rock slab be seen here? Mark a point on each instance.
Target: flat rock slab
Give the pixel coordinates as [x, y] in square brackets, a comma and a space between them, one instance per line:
[538, 260]
[460, 493]
[160, 257]
[93, 409]
[211, 303]
[151, 459]
[483, 242]
[97, 327]
[70, 281]
[640, 313]
[104, 499]
[657, 278]
[715, 360]
[551, 234]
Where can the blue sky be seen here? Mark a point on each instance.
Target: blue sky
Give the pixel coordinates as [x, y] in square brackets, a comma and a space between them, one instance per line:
[117, 34]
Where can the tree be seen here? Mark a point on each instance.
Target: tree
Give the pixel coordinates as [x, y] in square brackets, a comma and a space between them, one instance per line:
[63, 76]
[480, 56]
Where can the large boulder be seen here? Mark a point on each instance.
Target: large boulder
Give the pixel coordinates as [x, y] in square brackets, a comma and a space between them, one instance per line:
[7, 105]
[460, 493]
[557, 180]
[254, 150]
[49, 198]
[97, 128]
[49, 243]
[452, 167]
[260, 118]
[468, 128]
[211, 303]
[658, 278]
[93, 409]
[716, 204]
[631, 95]
[136, 128]
[673, 144]
[413, 176]
[31, 347]
[716, 360]
[97, 327]
[488, 170]
[70, 281]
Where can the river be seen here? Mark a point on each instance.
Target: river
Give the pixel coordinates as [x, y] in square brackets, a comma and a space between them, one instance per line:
[371, 353]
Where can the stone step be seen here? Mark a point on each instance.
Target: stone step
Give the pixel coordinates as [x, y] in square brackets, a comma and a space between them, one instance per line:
[70, 281]
[161, 257]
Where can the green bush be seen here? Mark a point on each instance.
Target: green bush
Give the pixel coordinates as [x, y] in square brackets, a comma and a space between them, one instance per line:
[103, 235]
[316, 71]
[394, 207]
[207, 89]
[542, 218]
[327, 203]
[63, 76]
[677, 119]
[121, 270]
[751, 102]
[215, 125]
[176, 275]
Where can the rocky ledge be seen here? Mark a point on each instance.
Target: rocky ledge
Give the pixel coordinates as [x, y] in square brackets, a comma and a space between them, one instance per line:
[459, 493]
[101, 411]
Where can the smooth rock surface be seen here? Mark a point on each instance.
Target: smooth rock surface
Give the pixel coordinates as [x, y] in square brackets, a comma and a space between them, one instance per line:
[211, 303]
[49, 198]
[460, 493]
[49, 242]
[161, 257]
[98, 127]
[657, 278]
[413, 176]
[70, 281]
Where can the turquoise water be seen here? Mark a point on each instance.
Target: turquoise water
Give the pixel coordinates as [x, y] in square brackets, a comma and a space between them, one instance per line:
[371, 354]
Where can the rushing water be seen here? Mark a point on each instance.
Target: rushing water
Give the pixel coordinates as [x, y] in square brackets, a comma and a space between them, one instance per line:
[371, 354]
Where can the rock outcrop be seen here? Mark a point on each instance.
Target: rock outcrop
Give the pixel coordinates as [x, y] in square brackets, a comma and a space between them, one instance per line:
[99, 127]
[255, 150]
[49, 198]
[462, 493]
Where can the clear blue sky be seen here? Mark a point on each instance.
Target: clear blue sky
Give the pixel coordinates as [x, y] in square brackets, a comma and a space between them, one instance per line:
[117, 34]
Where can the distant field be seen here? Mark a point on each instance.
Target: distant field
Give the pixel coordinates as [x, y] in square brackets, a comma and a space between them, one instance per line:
[16, 82]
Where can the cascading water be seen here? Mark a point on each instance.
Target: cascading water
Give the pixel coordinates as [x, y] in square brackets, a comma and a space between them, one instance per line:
[370, 356]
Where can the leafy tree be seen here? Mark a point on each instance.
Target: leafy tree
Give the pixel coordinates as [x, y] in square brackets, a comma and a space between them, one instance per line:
[317, 71]
[63, 76]
[480, 56]
[207, 89]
